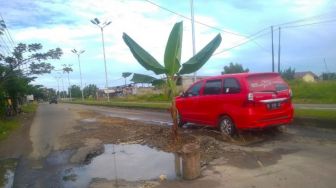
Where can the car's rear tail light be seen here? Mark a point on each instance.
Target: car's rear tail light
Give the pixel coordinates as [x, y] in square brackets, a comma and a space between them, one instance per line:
[250, 97]
[250, 100]
[290, 93]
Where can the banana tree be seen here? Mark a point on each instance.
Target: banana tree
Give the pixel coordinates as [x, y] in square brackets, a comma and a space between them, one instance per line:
[172, 62]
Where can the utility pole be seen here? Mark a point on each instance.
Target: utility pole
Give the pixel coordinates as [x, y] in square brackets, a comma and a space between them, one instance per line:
[326, 66]
[272, 49]
[193, 32]
[279, 47]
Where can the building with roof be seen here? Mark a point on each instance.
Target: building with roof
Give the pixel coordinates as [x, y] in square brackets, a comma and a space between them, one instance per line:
[306, 76]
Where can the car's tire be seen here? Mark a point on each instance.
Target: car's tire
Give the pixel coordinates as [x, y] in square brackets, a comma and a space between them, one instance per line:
[180, 122]
[226, 126]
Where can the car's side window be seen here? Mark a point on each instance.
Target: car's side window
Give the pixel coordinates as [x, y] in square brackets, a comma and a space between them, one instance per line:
[213, 87]
[231, 85]
[195, 90]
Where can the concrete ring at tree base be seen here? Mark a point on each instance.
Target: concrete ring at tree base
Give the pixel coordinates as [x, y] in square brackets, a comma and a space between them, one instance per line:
[191, 161]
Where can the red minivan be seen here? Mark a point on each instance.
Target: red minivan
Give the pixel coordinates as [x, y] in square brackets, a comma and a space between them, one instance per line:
[234, 102]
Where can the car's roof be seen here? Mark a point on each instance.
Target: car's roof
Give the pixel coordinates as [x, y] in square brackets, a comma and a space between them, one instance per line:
[239, 75]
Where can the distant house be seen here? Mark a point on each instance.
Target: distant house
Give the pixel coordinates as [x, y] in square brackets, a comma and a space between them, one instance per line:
[307, 76]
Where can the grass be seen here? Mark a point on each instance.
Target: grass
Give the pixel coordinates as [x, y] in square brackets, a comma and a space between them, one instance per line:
[8, 125]
[29, 108]
[316, 114]
[314, 117]
[321, 92]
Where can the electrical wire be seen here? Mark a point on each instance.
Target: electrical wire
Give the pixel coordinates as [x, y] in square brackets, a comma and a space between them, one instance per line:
[308, 24]
[304, 19]
[245, 42]
[201, 23]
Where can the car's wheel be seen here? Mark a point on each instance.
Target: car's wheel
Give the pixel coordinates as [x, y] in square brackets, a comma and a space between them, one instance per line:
[226, 126]
[180, 122]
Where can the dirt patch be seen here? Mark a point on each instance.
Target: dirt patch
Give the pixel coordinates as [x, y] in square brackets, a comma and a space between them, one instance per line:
[213, 145]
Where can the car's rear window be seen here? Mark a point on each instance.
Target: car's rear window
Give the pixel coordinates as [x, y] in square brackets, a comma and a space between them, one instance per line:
[266, 82]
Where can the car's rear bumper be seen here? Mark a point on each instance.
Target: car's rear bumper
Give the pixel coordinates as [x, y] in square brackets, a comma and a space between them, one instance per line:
[260, 120]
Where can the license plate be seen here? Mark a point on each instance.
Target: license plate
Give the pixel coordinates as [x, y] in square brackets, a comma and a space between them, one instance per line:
[274, 105]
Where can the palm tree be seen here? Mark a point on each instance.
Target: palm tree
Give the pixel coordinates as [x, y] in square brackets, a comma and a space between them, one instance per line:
[67, 69]
[125, 75]
[172, 58]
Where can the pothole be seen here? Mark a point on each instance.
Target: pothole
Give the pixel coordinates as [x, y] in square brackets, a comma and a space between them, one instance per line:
[130, 162]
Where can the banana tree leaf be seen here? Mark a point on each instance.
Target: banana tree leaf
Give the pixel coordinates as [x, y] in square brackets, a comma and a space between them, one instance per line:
[141, 78]
[143, 57]
[172, 56]
[126, 74]
[197, 61]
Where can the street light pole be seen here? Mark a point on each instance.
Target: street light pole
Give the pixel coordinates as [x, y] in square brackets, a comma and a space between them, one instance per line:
[102, 26]
[193, 33]
[78, 53]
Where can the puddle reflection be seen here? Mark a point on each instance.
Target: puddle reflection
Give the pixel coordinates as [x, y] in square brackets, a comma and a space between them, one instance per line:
[128, 162]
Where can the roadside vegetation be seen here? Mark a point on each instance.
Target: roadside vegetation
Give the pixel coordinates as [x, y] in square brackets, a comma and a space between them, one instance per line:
[126, 104]
[321, 92]
[314, 117]
[8, 125]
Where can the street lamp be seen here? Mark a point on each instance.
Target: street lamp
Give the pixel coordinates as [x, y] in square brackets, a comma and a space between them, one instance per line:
[78, 53]
[101, 26]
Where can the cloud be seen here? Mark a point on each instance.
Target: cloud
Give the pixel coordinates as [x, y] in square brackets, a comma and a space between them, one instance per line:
[66, 24]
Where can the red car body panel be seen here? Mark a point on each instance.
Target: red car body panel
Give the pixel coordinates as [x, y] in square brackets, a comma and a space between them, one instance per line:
[252, 100]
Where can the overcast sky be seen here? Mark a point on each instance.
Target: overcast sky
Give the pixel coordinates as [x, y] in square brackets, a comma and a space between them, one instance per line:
[66, 24]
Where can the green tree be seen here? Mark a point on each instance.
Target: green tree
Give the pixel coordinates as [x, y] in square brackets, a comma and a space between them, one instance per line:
[328, 76]
[76, 91]
[288, 74]
[172, 61]
[2, 27]
[13, 80]
[234, 68]
[90, 90]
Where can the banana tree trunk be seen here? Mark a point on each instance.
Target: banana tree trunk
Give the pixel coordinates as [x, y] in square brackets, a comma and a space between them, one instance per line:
[172, 84]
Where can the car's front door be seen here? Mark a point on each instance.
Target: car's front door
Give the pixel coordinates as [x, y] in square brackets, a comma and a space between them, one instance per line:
[190, 102]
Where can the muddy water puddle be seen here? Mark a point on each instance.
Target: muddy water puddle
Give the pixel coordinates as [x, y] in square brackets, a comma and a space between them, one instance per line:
[7, 169]
[131, 162]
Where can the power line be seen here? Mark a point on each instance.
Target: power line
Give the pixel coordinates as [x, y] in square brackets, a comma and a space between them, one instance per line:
[7, 33]
[5, 46]
[314, 23]
[291, 26]
[251, 39]
[201, 23]
[304, 19]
